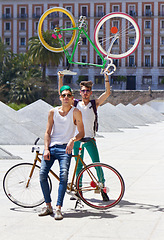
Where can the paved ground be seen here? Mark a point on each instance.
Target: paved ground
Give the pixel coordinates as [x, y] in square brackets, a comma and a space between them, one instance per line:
[138, 154]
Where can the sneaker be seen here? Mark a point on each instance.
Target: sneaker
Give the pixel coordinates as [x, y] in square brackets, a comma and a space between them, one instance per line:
[104, 196]
[68, 72]
[74, 198]
[58, 215]
[45, 211]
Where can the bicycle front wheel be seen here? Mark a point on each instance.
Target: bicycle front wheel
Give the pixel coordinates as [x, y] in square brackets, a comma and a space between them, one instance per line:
[56, 18]
[100, 186]
[15, 185]
[117, 35]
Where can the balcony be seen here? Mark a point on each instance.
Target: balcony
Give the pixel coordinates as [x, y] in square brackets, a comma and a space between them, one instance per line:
[35, 15]
[22, 15]
[7, 16]
[132, 13]
[148, 13]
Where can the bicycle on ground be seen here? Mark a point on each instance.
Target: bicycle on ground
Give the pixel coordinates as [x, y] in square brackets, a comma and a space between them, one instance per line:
[21, 183]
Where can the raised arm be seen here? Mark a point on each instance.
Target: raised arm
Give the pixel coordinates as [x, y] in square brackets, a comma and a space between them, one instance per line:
[60, 82]
[106, 94]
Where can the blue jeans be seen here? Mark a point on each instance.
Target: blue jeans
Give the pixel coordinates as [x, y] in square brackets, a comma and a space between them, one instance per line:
[56, 152]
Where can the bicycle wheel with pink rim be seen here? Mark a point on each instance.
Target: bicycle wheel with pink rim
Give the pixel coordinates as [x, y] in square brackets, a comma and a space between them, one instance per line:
[100, 186]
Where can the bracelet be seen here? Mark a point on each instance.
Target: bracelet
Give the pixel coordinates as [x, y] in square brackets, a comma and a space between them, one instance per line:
[73, 139]
[106, 81]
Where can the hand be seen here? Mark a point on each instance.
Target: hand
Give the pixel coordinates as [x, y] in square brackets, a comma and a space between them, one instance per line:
[46, 155]
[60, 75]
[70, 146]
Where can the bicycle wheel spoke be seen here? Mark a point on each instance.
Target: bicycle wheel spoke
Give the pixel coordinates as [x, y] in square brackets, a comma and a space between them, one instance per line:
[104, 193]
[15, 185]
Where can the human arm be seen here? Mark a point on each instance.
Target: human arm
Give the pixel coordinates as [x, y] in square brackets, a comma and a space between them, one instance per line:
[60, 82]
[106, 94]
[47, 137]
[77, 116]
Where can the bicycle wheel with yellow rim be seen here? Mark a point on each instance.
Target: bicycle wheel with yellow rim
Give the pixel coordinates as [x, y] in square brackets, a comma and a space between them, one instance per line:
[63, 21]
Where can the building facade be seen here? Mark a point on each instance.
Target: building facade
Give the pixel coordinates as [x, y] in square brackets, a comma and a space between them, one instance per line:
[143, 68]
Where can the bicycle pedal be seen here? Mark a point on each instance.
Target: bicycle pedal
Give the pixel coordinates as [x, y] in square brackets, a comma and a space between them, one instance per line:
[68, 72]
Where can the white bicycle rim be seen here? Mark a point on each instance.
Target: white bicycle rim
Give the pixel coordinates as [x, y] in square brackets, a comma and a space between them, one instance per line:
[117, 15]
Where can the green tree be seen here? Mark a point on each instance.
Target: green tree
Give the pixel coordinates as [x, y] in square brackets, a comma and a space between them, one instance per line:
[41, 55]
[26, 86]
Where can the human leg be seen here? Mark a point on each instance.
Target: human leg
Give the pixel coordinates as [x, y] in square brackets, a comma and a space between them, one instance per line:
[91, 148]
[64, 163]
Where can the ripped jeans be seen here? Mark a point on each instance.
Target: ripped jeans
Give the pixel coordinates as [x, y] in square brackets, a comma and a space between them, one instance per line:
[56, 152]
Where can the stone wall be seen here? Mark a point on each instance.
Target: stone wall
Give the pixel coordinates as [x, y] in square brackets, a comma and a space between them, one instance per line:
[117, 96]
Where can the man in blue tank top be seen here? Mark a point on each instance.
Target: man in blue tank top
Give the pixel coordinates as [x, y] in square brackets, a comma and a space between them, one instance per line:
[58, 144]
[88, 115]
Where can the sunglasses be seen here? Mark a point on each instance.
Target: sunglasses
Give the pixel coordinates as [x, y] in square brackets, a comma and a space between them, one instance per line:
[87, 91]
[68, 95]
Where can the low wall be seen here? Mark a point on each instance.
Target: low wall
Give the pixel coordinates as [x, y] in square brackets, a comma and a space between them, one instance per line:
[117, 96]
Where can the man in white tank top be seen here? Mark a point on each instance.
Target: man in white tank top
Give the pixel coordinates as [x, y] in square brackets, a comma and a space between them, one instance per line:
[58, 144]
[88, 117]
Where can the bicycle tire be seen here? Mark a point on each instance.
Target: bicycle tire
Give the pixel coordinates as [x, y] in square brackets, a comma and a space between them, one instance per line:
[52, 19]
[127, 30]
[14, 185]
[90, 189]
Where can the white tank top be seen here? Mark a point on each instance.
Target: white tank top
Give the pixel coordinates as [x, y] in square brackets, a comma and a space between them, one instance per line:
[63, 128]
[88, 117]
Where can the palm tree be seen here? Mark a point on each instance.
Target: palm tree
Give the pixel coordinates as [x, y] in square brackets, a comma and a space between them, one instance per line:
[41, 55]
[26, 85]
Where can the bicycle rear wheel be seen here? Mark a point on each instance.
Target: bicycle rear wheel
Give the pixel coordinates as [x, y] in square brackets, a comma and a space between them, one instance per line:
[14, 185]
[56, 18]
[117, 34]
[91, 189]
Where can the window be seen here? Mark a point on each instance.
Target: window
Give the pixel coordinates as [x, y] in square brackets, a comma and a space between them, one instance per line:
[84, 11]
[22, 41]
[99, 60]
[115, 8]
[84, 41]
[22, 12]
[162, 61]
[131, 61]
[100, 11]
[35, 26]
[131, 40]
[8, 41]
[7, 12]
[68, 24]
[115, 62]
[162, 24]
[69, 8]
[132, 10]
[147, 61]
[147, 40]
[148, 10]
[147, 24]
[162, 40]
[37, 13]
[99, 79]
[162, 10]
[22, 26]
[7, 26]
[147, 80]
[161, 80]
[84, 59]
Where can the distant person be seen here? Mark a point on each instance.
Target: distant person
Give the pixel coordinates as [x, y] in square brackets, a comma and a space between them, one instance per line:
[58, 144]
[88, 109]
